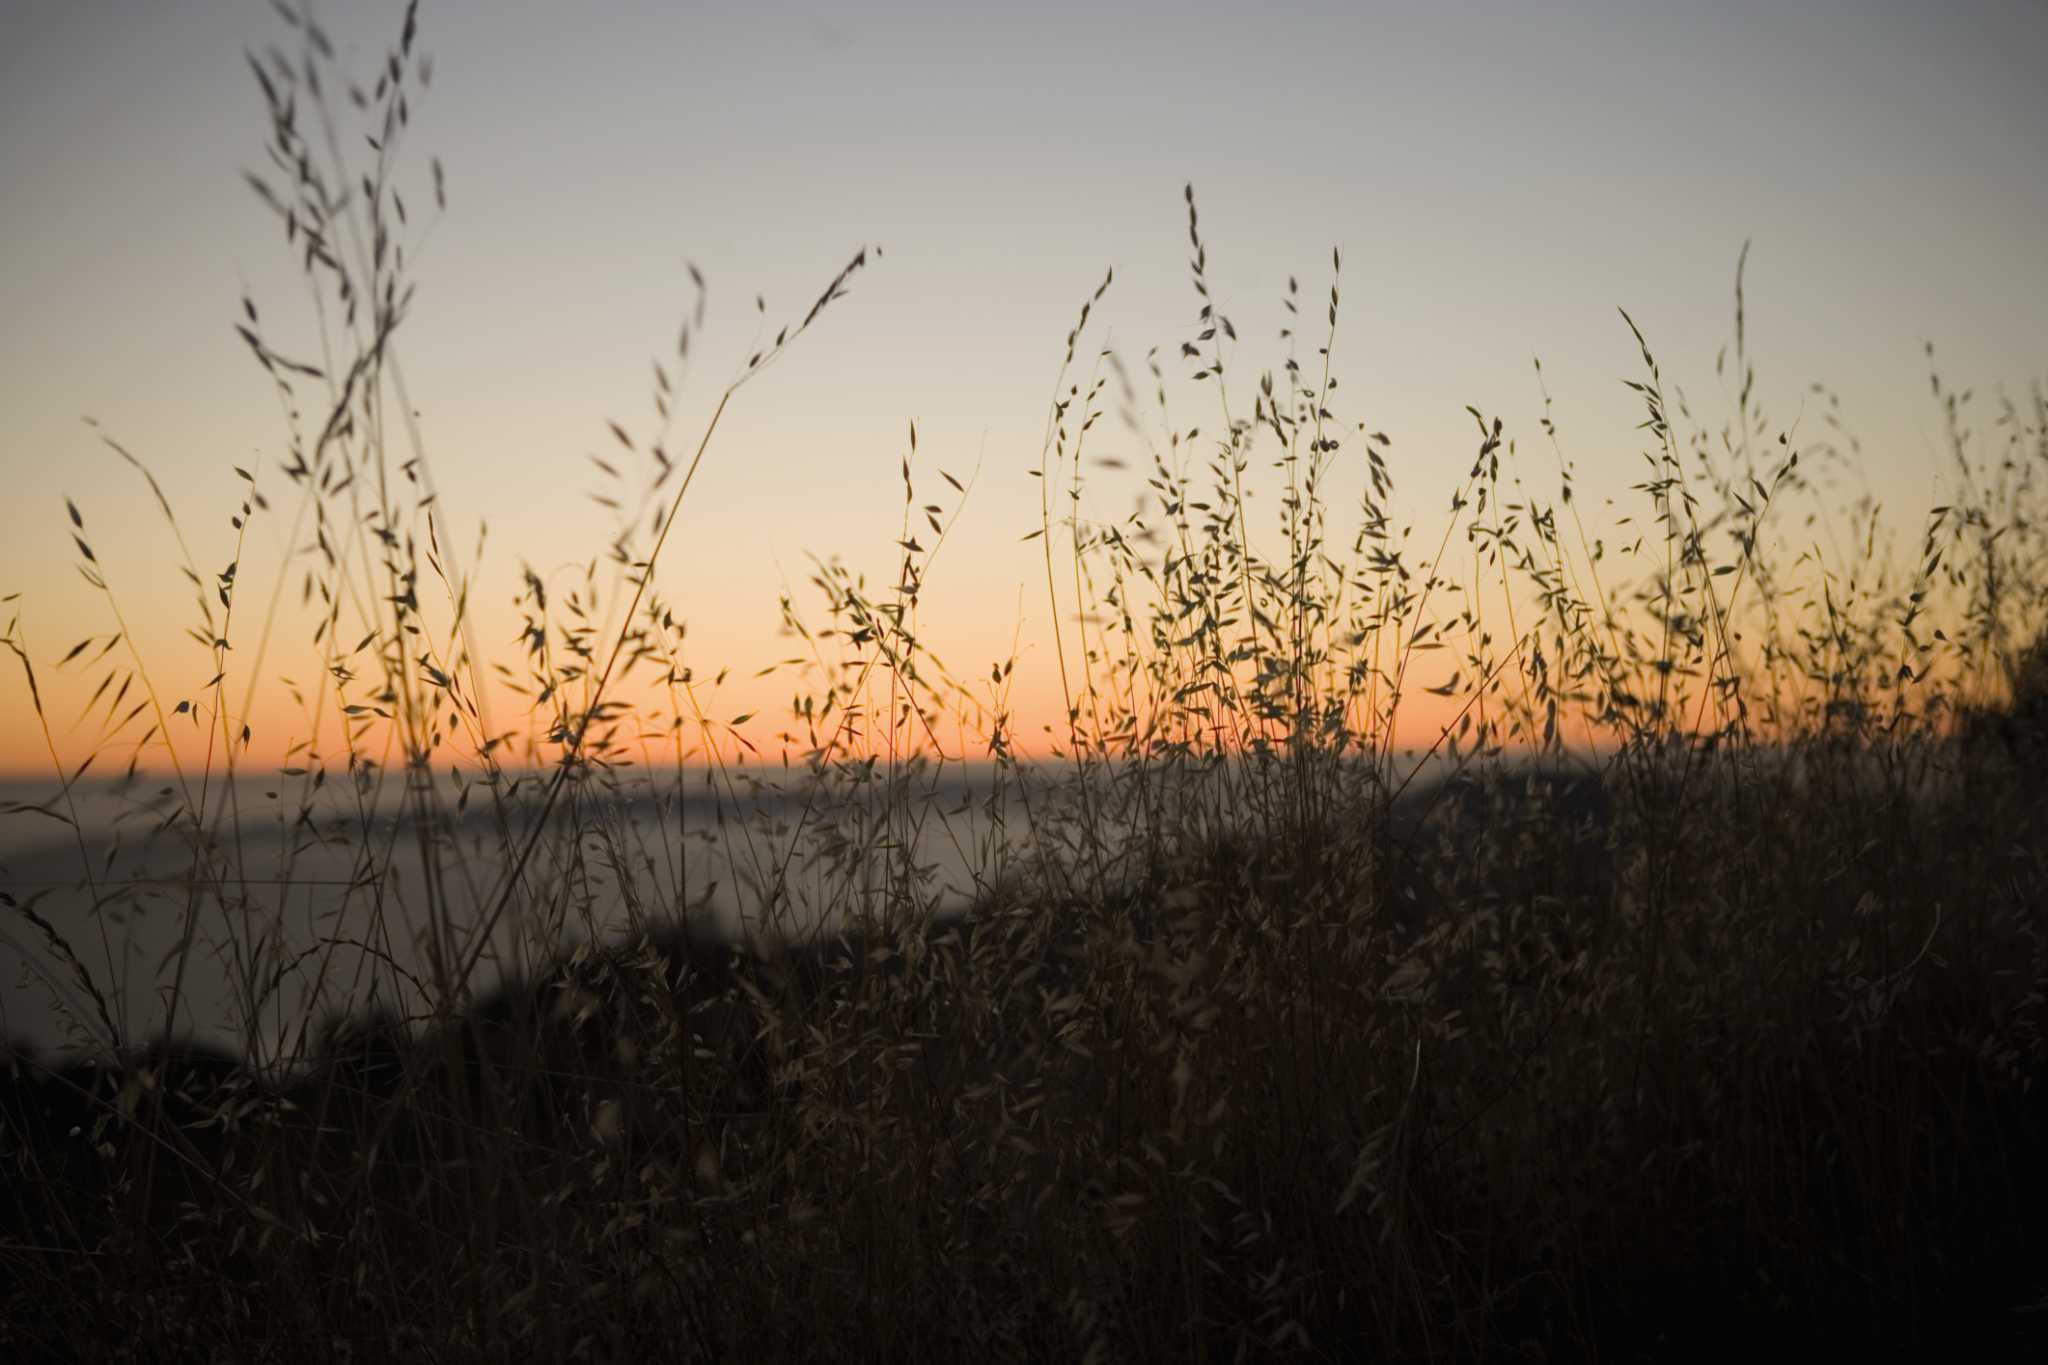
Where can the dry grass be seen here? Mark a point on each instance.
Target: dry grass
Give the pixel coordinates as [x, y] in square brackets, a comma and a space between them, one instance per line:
[1247, 1044]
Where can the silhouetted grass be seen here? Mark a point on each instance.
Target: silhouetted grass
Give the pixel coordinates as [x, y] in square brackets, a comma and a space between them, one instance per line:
[1688, 997]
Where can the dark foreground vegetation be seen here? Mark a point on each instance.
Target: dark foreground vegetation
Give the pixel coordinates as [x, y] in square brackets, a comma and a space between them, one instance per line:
[1766, 1072]
[1247, 1046]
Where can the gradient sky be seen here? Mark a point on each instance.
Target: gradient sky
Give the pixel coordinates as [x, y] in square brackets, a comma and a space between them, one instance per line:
[1500, 178]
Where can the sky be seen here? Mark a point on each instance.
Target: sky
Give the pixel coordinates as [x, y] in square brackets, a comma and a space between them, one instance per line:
[1500, 179]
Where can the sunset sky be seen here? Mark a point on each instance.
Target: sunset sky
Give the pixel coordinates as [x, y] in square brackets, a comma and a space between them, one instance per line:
[1500, 179]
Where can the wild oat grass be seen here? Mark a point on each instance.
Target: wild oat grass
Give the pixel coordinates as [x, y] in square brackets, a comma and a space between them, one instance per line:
[1690, 994]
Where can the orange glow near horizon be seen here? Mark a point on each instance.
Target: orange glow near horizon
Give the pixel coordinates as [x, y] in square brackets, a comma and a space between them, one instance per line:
[295, 723]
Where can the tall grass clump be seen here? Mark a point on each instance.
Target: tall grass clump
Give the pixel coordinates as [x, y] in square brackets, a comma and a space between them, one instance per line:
[1682, 990]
